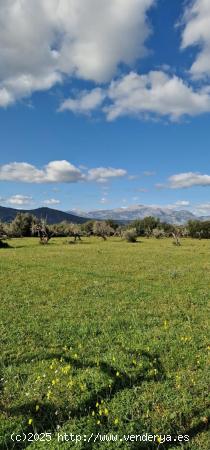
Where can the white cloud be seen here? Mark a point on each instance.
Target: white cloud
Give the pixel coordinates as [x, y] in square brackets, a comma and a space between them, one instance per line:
[157, 94]
[197, 32]
[5, 97]
[188, 179]
[43, 41]
[53, 172]
[51, 201]
[103, 174]
[18, 200]
[152, 95]
[85, 103]
[181, 203]
[56, 172]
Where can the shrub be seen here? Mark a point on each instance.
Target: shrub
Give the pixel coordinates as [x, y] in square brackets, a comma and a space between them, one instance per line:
[3, 236]
[130, 235]
[22, 224]
[158, 233]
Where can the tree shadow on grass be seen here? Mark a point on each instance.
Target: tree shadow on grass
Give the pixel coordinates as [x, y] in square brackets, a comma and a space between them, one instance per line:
[4, 245]
[190, 432]
[51, 415]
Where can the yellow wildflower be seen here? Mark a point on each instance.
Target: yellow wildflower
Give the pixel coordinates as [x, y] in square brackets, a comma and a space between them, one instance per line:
[48, 395]
[165, 324]
[205, 419]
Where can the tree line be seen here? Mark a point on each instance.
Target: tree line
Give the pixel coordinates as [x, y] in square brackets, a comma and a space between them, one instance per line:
[27, 225]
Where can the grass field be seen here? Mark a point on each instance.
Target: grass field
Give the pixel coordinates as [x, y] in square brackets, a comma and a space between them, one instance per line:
[105, 337]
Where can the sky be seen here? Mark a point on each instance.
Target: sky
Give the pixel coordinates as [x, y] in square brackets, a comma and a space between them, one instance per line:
[105, 104]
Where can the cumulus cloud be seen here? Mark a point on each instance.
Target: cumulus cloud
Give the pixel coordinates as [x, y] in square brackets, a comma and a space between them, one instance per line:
[85, 103]
[103, 174]
[18, 200]
[197, 32]
[188, 179]
[42, 42]
[56, 172]
[151, 95]
[51, 202]
[155, 93]
[53, 172]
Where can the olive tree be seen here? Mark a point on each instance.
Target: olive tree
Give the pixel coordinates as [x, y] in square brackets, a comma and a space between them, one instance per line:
[102, 229]
[74, 230]
[41, 230]
[3, 236]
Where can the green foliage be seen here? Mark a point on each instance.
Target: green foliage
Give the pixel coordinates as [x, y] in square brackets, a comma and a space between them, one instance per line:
[102, 229]
[3, 236]
[199, 229]
[2, 230]
[158, 233]
[168, 228]
[22, 225]
[66, 229]
[114, 225]
[87, 227]
[130, 235]
[146, 225]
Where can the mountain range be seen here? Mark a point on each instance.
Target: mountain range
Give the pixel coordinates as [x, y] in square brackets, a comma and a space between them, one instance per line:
[119, 214]
[168, 215]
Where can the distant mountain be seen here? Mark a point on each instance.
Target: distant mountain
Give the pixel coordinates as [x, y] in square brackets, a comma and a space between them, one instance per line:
[120, 215]
[141, 211]
[51, 215]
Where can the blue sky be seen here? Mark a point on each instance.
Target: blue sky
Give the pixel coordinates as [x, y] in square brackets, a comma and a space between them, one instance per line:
[105, 109]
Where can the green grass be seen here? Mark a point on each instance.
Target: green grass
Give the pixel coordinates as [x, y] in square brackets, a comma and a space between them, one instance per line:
[107, 332]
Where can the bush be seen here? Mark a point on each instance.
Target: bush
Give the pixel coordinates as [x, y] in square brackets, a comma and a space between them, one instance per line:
[22, 224]
[198, 229]
[158, 233]
[130, 235]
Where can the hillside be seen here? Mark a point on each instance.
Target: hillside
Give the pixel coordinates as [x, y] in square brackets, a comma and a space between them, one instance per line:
[51, 215]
